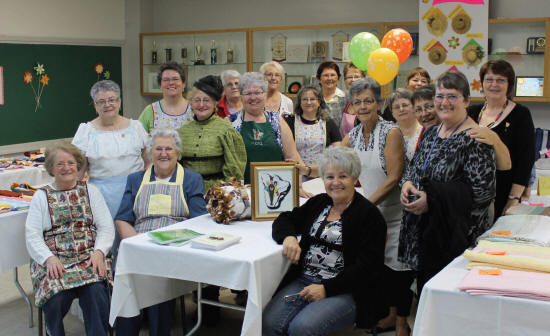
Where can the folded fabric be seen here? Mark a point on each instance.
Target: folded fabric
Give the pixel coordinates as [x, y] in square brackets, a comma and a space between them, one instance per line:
[509, 256]
[508, 283]
[524, 229]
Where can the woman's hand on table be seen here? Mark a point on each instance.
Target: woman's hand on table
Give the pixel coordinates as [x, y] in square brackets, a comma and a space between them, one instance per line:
[97, 261]
[313, 293]
[291, 249]
[54, 268]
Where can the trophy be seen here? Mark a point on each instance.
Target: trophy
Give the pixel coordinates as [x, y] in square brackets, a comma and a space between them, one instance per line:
[183, 55]
[198, 61]
[213, 53]
[154, 53]
[168, 54]
[229, 54]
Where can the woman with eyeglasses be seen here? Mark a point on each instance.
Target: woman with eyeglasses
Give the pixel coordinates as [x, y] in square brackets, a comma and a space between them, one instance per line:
[351, 74]
[380, 147]
[416, 78]
[266, 135]
[210, 146]
[328, 75]
[503, 119]
[173, 110]
[313, 131]
[402, 110]
[231, 101]
[113, 145]
[449, 185]
[275, 101]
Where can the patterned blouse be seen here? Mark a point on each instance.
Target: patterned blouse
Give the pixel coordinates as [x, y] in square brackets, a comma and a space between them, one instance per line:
[458, 156]
[324, 259]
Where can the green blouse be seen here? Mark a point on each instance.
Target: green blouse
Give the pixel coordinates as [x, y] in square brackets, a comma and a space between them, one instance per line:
[214, 149]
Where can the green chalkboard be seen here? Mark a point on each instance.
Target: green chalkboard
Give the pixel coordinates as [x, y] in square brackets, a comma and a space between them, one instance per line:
[64, 102]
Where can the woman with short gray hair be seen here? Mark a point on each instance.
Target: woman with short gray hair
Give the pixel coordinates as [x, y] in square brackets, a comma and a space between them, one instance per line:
[380, 147]
[403, 112]
[231, 102]
[336, 276]
[167, 133]
[276, 101]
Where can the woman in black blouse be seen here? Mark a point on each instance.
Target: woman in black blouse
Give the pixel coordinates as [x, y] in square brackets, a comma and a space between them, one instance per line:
[512, 122]
[312, 129]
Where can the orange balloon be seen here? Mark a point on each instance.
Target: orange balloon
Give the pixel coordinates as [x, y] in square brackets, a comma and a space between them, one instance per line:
[400, 41]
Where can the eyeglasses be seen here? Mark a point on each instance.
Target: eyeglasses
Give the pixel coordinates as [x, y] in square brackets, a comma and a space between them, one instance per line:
[491, 80]
[166, 149]
[427, 108]
[367, 102]
[61, 165]
[291, 297]
[450, 98]
[402, 106]
[110, 101]
[172, 79]
[232, 84]
[307, 100]
[273, 74]
[253, 94]
[353, 77]
[329, 75]
[204, 100]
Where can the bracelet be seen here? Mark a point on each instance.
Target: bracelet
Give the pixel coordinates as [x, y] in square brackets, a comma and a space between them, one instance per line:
[511, 197]
[309, 171]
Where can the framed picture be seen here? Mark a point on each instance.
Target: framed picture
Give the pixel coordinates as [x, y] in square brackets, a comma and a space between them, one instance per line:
[536, 45]
[153, 84]
[319, 49]
[274, 189]
[294, 83]
[414, 37]
[529, 86]
[297, 53]
[345, 52]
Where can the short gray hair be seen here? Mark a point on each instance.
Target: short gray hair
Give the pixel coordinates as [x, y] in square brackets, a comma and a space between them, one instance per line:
[228, 74]
[276, 65]
[400, 93]
[104, 85]
[341, 157]
[252, 79]
[164, 132]
[367, 83]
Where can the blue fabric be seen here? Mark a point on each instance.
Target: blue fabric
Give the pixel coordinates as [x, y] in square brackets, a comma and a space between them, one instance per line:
[94, 302]
[193, 191]
[112, 189]
[161, 320]
[296, 316]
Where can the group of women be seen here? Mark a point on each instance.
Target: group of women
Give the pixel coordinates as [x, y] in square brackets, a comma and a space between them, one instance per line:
[428, 176]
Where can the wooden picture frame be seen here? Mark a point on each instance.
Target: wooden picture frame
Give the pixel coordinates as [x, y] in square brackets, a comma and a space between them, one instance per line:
[153, 84]
[294, 83]
[275, 189]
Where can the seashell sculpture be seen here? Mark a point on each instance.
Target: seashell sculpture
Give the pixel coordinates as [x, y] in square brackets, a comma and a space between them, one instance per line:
[229, 201]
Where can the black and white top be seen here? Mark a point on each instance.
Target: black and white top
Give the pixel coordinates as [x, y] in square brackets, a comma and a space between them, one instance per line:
[356, 137]
[324, 259]
[456, 157]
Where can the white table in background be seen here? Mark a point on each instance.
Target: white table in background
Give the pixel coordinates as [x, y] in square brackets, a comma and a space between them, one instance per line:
[31, 175]
[148, 273]
[445, 310]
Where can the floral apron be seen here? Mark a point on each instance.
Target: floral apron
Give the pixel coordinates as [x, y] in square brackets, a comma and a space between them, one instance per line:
[310, 140]
[158, 203]
[71, 239]
[163, 120]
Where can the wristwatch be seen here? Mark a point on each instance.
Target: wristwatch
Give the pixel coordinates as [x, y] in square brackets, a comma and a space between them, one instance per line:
[514, 198]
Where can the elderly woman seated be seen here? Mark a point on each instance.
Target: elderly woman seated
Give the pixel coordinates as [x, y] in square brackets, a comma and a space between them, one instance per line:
[164, 194]
[69, 231]
[336, 277]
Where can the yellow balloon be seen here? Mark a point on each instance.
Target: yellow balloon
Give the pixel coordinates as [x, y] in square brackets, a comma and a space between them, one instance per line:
[383, 65]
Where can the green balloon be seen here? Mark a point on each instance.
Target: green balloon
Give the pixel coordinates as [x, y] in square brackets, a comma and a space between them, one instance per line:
[360, 47]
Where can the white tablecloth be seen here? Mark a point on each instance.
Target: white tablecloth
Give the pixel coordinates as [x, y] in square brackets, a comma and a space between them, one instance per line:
[31, 175]
[148, 273]
[13, 251]
[444, 310]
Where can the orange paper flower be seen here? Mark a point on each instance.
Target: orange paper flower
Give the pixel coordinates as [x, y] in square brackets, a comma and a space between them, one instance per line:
[475, 85]
[98, 68]
[44, 79]
[27, 77]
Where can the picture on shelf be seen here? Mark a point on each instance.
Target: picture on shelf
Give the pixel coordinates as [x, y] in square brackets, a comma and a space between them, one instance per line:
[414, 37]
[297, 53]
[319, 49]
[529, 86]
[153, 84]
[294, 83]
[338, 40]
[345, 52]
[274, 189]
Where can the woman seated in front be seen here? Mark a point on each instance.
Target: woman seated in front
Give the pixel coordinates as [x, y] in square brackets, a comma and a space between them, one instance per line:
[69, 231]
[336, 276]
[164, 194]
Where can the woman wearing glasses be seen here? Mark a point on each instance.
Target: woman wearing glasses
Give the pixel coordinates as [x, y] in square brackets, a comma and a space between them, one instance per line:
[275, 101]
[351, 74]
[379, 145]
[449, 185]
[403, 112]
[328, 75]
[231, 102]
[265, 134]
[173, 110]
[416, 78]
[505, 120]
[210, 146]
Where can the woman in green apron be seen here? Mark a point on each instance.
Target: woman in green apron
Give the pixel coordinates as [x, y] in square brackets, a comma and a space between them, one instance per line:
[266, 136]
[69, 233]
[164, 194]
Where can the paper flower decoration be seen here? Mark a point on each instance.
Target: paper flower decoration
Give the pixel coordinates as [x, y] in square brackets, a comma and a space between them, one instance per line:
[107, 74]
[453, 42]
[475, 85]
[39, 68]
[44, 79]
[98, 68]
[27, 77]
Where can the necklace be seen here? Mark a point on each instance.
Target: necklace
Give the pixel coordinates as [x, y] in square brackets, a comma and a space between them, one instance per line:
[479, 117]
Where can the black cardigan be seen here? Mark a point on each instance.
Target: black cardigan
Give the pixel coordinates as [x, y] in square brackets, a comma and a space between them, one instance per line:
[363, 239]
[517, 132]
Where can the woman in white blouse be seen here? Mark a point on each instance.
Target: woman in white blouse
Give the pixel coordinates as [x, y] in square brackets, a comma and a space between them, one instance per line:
[114, 145]
[69, 234]
[275, 101]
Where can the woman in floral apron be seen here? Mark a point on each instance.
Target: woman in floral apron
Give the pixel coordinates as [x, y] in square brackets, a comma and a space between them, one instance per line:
[164, 194]
[69, 233]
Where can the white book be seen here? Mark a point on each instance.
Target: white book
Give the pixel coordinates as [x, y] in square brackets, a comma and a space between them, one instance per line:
[215, 241]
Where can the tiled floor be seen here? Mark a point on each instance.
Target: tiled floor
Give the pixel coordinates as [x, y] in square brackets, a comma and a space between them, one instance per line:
[14, 314]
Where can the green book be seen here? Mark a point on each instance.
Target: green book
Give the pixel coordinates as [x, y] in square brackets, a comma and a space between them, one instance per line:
[173, 237]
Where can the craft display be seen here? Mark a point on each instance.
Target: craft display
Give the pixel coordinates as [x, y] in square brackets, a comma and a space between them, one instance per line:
[319, 49]
[42, 80]
[278, 48]
[228, 202]
[472, 53]
[436, 21]
[338, 40]
[101, 72]
[23, 188]
[461, 22]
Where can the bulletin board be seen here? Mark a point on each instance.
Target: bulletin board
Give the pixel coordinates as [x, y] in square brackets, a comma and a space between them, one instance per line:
[46, 88]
